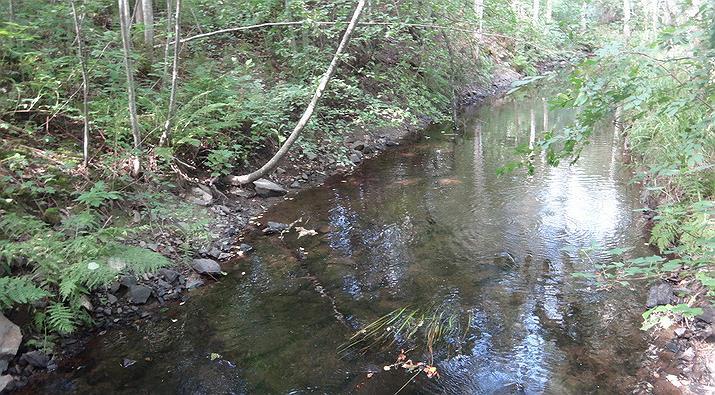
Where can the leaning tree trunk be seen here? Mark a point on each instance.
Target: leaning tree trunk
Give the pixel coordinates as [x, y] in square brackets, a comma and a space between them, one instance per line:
[273, 162]
[85, 82]
[124, 23]
[166, 135]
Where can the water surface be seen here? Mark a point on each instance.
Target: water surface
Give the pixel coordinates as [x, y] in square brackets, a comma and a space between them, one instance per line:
[429, 224]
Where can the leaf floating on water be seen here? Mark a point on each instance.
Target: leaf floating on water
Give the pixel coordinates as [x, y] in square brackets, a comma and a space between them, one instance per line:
[214, 356]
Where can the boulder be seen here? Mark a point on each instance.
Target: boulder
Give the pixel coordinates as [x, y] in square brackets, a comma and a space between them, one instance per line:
[266, 188]
[5, 381]
[356, 157]
[139, 294]
[206, 266]
[10, 338]
[708, 315]
[246, 248]
[659, 295]
[194, 281]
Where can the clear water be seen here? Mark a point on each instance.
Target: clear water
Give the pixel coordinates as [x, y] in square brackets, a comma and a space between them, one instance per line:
[425, 225]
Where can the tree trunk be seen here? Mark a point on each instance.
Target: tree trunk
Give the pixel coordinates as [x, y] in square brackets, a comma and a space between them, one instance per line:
[273, 162]
[627, 18]
[138, 14]
[85, 82]
[125, 26]
[148, 11]
[11, 10]
[479, 13]
[167, 44]
[655, 17]
[584, 9]
[166, 136]
[535, 12]
[549, 11]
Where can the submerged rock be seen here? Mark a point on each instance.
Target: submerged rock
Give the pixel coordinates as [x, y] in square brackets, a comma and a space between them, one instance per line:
[266, 188]
[206, 266]
[659, 295]
[10, 338]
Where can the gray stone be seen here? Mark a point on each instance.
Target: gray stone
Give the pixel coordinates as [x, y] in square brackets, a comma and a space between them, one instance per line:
[246, 247]
[266, 188]
[10, 338]
[35, 358]
[139, 294]
[5, 382]
[169, 275]
[356, 157]
[295, 185]
[391, 143]
[214, 253]
[128, 281]
[659, 295]
[206, 266]
[3, 365]
[194, 281]
[708, 315]
[274, 227]
[244, 193]
[111, 299]
[200, 195]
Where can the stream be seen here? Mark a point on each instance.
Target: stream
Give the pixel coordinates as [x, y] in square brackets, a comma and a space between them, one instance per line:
[429, 224]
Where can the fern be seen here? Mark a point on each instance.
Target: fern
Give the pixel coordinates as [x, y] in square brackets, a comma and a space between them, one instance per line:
[61, 319]
[19, 290]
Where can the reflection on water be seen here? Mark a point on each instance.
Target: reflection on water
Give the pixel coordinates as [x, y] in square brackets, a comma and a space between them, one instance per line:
[424, 226]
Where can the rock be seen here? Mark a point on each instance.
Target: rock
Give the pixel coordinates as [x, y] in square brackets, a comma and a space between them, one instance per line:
[246, 248]
[139, 294]
[128, 281]
[111, 299]
[194, 281]
[295, 185]
[10, 338]
[688, 354]
[708, 315]
[356, 157]
[214, 253]
[3, 366]
[126, 362]
[169, 275]
[113, 287]
[391, 143]
[274, 227]
[266, 188]
[5, 382]
[679, 331]
[358, 146]
[36, 359]
[244, 193]
[200, 195]
[223, 209]
[206, 266]
[659, 295]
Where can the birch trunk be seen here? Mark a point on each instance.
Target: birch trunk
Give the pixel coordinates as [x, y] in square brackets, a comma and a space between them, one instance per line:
[273, 162]
[138, 14]
[479, 13]
[131, 94]
[166, 135]
[549, 11]
[11, 9]
[535, 12]
[85, 82]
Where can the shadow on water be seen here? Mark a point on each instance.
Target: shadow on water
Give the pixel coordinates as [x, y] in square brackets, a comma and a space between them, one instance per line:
[429, 224]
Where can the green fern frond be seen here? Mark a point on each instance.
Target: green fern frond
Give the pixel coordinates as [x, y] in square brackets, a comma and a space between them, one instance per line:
[61, 319]
[19, 290]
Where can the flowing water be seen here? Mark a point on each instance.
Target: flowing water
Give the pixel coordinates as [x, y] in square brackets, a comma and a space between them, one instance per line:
[430, 224]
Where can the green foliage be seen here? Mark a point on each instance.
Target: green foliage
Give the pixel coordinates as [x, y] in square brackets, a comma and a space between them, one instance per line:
[18, 290]
[98, 195]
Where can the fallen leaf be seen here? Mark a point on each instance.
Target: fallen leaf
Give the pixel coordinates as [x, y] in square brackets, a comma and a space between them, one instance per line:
[214, 356]
[305, 232]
